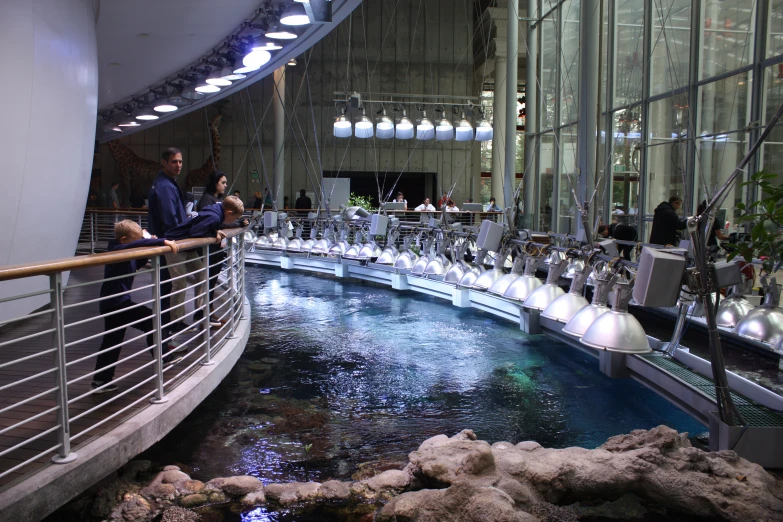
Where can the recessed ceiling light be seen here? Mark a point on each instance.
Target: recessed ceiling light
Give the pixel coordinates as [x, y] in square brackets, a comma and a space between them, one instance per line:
[256, 59]
[206, 88]
[165, 107]
[295, 15]
[278, 33]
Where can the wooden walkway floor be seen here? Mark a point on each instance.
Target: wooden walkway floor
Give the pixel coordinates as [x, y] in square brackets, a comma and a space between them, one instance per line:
[83, 429]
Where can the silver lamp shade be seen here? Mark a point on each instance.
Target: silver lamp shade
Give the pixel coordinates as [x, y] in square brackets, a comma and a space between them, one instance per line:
[470, 276]
[487, 279]
[406, 260]
[563, 308]
[437, 266]
[352, 251]
[307, 245]
[263, 242]
[581, 321]
[500, 286]
[295, 245]
[778, 347]
[281, 243]
[420, 265]
[369, 251]
[576, 266]
[732, 310]
[388, 256]
[321, 247]
[763, 324]
[523, 286]
[617, 331]
[455, 272]
[540, 298]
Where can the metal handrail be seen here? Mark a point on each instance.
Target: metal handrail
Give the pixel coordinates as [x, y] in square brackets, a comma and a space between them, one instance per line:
[66, 340]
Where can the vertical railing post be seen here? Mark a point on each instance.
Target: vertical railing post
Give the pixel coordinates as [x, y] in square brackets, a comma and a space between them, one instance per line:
[207, 313]
[92, 232]
[64, 454]
[159, 397]
[242, 268]
[231, 285]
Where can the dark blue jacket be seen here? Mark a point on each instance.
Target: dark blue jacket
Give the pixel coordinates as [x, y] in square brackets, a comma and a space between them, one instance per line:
[206, 224]
[124, 268]
[166, 205]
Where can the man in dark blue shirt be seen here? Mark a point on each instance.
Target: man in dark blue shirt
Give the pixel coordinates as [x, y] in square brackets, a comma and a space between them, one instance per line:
[166, 210]
[118, 309]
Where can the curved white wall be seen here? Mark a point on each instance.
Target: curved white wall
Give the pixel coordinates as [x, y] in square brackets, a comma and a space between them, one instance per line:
[48, 97]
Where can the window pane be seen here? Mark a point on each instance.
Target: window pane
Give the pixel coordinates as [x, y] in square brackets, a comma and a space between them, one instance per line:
[671, 45]
[569, 62]
[629, 49]
[665, 154]
[546, 182]
[548, 72]
[775, 27]
[625, 168]
[725, 105]
[772, 156]
[728, 39]
[568, 179]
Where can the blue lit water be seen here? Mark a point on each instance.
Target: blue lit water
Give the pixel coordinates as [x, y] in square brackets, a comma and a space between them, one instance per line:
[365, 373]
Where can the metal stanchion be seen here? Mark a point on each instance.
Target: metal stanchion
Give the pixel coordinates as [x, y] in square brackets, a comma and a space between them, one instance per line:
[231, 286]
[242, 285]
[64, 454]
[92, 233]
[207, 311]
[158, 350]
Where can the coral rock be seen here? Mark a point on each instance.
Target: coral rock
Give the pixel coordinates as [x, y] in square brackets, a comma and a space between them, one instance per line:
[335, 490]
[194, 500]
[254, 499]
[292, 492]
[236, 486]
[134, 508]
[178, 514]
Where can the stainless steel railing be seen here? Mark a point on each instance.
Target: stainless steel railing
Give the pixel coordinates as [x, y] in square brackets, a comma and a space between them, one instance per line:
[48, 405]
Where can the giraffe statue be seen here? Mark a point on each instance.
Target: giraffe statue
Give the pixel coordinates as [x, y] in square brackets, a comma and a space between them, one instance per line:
[198, 177]
[134, 171]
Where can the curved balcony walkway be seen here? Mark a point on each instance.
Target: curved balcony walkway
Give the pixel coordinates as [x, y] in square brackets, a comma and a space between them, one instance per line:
[108, 437]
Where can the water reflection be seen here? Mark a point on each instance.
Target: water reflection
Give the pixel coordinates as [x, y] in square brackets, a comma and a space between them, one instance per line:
[362, 373]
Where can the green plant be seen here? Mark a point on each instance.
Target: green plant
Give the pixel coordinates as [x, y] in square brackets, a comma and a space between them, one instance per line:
[365, 202]
[766, 216]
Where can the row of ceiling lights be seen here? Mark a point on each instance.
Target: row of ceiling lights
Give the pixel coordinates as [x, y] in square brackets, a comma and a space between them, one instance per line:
[219, 74]
[403, 129]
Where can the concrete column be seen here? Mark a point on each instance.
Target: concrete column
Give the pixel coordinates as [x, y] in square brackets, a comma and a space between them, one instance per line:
[278, 111]
[499, 123]
[512, 64]
[49, 100]
[531, 121]
[586, 128]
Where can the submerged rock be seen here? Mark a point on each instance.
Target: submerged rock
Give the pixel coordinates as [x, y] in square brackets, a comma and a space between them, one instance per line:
[178, 514]
[236, 486]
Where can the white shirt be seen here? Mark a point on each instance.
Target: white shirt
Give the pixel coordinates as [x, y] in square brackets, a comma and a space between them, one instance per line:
[429, 207]
[452, 209]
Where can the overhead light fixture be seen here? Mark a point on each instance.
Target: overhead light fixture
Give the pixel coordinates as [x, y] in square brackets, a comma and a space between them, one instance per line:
[279, 33]
[216, 78]
[165, 106]
[425, 130]
[228, 74]
[363, 127]
[207, 88]
[256, 59]
[484, 131]
[292, 62]
[146, 114]
[243, 70]
[464, 130]
[444, 130]
[128, 121]
[265, 45]
[111, 127]
[295, 15]
[385, 127]
[190, 93]
[404, 128]
[342, 126]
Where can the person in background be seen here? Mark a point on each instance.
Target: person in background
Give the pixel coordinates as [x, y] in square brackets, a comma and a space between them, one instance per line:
[114, 200]
[237, 194]
[137, 198]
[469, 200]
[217, 183]
[401, 199]
[267, 198]
[623, 233]
[425, 206]
[207, 224]
[166, 211]
[259, 201]
[451, 206]
[118, 309]
[286, 202]
[303, 202]
[716, 232]
[492, 206]
[666, 222]
[443, 200]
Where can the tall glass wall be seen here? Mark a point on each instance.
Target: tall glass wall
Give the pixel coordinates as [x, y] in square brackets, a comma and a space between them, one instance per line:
[685, 87]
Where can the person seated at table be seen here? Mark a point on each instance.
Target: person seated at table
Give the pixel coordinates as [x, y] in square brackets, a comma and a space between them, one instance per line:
[621, 232]
[443, 200]
[492, 206]
[425, 206]
[451, 206]
[401, 199]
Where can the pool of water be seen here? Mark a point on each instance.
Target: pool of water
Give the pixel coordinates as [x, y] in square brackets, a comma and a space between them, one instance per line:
[345, 377]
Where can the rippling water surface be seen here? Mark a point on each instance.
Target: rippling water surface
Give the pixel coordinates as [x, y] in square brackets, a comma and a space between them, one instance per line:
[338, 374]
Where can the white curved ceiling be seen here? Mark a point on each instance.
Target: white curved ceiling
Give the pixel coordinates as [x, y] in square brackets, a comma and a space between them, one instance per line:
[141, 42]
[151, 40]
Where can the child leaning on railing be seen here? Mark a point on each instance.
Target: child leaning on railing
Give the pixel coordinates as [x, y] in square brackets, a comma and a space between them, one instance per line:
[118, 309]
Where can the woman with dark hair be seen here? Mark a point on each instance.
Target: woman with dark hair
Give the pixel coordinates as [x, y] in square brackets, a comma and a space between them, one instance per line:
[213, 193]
